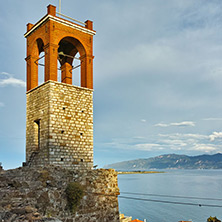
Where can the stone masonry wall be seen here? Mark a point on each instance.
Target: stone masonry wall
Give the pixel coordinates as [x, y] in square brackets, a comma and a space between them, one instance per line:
[37, 108]
[65, 115]
[38, 194]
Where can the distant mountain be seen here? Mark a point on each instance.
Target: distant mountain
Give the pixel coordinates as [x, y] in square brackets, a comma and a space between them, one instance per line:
[171, 161]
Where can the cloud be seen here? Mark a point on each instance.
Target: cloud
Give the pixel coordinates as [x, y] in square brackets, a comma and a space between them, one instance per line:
[143, 120]
[148, 147]
[139, 137]
[2, 104]
[190, 142]
[6, 79]
[215, 135]
[184, 136]
[183, 124]
[161, 125]
[175, 143]
[187, 142]
[204, 148]
[180, 124]
[212, 119]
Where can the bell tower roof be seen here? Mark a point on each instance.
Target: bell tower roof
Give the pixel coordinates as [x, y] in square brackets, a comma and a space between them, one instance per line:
[85, 27]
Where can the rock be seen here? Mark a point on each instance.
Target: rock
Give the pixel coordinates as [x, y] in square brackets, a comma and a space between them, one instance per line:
[30, 209]
[18, 211]
[51, 220]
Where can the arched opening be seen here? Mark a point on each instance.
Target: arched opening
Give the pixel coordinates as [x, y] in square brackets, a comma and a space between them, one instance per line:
[41, 68]
[59, 78]
[69, 52]
[39, 61]
[76, 72]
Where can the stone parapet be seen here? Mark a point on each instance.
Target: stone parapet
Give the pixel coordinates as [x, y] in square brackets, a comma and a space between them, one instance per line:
[38, 194]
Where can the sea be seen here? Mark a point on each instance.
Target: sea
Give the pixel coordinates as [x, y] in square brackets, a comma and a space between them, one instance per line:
[176, 195]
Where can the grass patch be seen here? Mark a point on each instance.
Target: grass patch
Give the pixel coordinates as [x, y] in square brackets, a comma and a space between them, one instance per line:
[74, 194]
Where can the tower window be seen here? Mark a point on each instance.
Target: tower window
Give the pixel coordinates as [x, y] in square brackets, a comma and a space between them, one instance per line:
[37, 133]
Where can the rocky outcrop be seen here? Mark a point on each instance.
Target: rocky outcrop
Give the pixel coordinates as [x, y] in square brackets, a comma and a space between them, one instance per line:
[38, 194]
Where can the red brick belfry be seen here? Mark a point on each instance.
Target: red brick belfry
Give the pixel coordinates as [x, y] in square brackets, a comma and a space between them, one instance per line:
[59, 116]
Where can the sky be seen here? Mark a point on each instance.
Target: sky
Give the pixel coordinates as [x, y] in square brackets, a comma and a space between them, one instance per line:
[157, 76]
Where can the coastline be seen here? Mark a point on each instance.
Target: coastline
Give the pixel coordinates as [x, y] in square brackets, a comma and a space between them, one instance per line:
[139, 172]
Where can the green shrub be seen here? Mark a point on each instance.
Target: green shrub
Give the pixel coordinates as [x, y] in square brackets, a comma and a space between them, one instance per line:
[213, 219]
[74, 194]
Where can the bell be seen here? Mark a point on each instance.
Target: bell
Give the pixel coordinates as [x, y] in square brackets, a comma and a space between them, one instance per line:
[61, 53]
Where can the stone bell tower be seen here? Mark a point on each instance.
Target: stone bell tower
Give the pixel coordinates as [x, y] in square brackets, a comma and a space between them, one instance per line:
[59, 118]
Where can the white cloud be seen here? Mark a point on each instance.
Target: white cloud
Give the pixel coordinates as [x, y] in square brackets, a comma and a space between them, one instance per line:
[185, 136]
[6, 79]
[212, 119]
[2, 104]
[175, 142]
[181, 124]
[143, 120]
[204, 148]
[166, 143]
[182, 136]
[148, 146]
[4, 75]
[215, 135]
[161, 125]
[187, 142]
[138, 137]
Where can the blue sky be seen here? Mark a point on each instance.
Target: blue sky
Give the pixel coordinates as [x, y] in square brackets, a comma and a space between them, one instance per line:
[157, 76]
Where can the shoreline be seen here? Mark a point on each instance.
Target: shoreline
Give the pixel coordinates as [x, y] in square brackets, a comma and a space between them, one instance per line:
[139, 172]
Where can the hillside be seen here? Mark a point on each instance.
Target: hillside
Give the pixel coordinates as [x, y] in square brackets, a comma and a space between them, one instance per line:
[171, 161]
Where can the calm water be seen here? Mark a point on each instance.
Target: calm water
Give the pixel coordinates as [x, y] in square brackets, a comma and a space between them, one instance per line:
[191, 183]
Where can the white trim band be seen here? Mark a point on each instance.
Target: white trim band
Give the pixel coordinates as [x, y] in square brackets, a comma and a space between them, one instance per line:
[56, 19]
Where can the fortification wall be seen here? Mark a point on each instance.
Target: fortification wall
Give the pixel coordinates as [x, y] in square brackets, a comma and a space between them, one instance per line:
[38, 194]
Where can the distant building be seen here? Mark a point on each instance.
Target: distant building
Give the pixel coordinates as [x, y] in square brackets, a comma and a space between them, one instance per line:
[185, 221]
[136, 220]
[123, 218]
